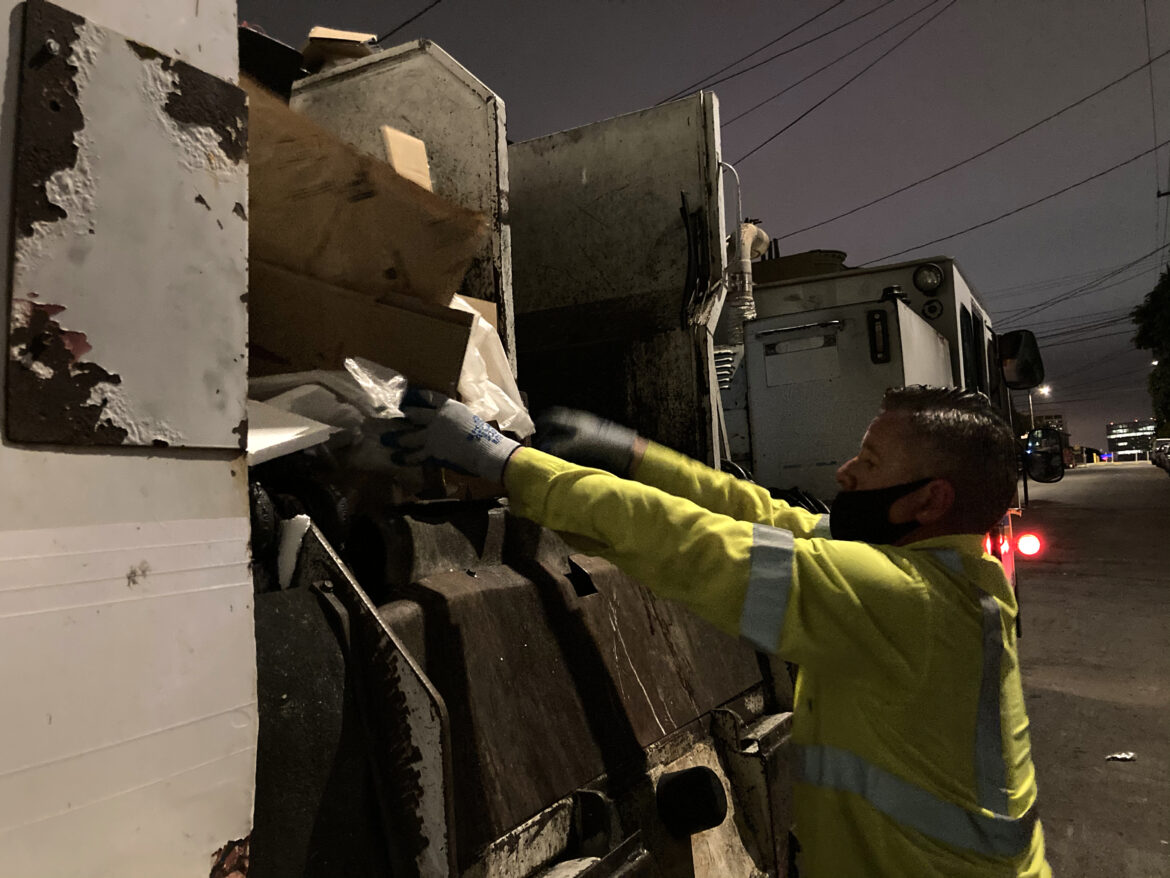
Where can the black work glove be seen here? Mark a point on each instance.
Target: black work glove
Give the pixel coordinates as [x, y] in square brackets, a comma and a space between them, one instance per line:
[584, 438]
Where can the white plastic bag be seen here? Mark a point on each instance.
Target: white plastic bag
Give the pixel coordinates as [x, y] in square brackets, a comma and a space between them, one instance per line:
[486, 385]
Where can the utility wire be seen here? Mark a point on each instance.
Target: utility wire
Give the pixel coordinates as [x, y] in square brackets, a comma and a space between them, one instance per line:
[1078, 331]
[1094, 396]
[1057, 344]
[847, 82]
[707, 81]
[983, 152]
[1022, 207]
[1078, 385]
[1079, 291]
[1047, 283]
[1097, 286]
[417, 15]
[1158, 233]
[1112, 312]
[809, 76]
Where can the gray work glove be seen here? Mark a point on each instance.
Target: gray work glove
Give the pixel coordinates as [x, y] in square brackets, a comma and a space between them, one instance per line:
[583, 438]
[440, 430]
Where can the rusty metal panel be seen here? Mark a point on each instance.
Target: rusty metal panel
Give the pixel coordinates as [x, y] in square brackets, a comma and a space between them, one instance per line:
[420, 89]
[618, 243]
[127, 319]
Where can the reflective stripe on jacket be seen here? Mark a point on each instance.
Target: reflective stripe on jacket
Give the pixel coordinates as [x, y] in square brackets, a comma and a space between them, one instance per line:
[910, 734]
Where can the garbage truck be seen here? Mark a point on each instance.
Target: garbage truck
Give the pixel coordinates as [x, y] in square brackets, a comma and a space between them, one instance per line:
[234, 644]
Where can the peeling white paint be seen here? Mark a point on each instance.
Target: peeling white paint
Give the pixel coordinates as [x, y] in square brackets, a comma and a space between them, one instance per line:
[152, 276]
[199, 144]
[120, 411]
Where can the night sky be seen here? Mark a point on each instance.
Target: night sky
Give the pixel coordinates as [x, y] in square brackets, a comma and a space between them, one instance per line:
[952, 79]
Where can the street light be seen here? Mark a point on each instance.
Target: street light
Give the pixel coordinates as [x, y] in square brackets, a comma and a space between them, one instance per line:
[1043, 390]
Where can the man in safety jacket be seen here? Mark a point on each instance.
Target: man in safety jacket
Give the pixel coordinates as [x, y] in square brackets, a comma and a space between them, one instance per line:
[913, 756]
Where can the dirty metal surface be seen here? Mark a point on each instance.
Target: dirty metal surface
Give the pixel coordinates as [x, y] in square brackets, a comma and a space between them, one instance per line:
[404, 720]
[660, 384]
[126, 323]
[315, 810]
[596, 211]
[617, 236]
[420, 89]
[547, 689]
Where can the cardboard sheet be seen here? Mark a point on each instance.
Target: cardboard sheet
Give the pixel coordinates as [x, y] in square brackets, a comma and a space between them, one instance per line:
[320, 208]
[298, 323]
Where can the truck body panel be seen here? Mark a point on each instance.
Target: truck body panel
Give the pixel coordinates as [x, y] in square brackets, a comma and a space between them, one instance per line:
[618, 241]
[126, 633]
[836, 362]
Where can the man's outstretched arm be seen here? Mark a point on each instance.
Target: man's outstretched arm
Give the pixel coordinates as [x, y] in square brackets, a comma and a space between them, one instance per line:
[586, 439]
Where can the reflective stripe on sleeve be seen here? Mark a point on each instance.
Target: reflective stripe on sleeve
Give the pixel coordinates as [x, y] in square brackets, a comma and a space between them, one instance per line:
[766, 601]
[990, 771]
[911, 806]
[821, 528]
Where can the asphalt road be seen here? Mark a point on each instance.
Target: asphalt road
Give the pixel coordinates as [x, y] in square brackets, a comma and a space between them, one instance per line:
[1095, 653]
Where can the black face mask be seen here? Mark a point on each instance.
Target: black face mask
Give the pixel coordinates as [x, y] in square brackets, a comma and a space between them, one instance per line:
[865, 515]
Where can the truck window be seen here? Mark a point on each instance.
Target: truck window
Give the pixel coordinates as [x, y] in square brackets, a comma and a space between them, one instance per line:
[967, 342]
[994, 375]
[978, 344]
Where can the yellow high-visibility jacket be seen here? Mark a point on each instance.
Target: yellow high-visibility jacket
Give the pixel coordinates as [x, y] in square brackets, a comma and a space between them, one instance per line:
[912, 749]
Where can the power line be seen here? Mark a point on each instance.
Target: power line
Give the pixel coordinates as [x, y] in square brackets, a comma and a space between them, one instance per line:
[1112, 312]
[1081, 290]
[1057, 344]
[417, 15]
[849, 81]
[1022, 207]
[1047, 283]
[1088, 326]
[1094, 395]
[981, 153]
[809, 76]
[1076, 385]
[703, 82]
[1158, 234]
[1098, 286]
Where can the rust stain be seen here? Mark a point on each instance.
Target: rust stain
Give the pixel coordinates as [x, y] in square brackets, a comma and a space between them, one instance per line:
[241, 430]
[231, 860]
[49, 386]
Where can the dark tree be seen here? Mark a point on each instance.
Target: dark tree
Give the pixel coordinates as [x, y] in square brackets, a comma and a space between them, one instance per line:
[1152, 319]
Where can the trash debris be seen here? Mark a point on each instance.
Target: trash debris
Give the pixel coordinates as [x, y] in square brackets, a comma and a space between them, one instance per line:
[274, 432]
[1123, 756]
[486, 385]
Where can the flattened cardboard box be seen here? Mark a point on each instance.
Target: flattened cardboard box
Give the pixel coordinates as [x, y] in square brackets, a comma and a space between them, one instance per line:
[299, 323]
[320, 208]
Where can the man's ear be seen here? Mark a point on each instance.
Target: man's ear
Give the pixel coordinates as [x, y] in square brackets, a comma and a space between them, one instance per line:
[933, 501]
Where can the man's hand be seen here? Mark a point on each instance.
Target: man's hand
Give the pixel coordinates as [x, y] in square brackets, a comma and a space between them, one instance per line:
[582, 438]
[443, 431]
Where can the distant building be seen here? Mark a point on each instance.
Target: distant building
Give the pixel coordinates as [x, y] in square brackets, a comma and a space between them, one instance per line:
[1131, 440]
[1056, 421]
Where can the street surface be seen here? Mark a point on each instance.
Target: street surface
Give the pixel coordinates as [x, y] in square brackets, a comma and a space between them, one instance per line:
[1096, 666]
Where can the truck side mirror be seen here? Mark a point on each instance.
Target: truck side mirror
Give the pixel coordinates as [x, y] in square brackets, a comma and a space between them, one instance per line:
[1044, 455]
[1019, 358]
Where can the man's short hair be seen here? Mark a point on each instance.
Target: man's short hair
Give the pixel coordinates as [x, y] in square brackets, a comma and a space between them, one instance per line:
[969, 444]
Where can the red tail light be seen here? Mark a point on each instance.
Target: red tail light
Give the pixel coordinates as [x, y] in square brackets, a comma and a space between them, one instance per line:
[1028, 544]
